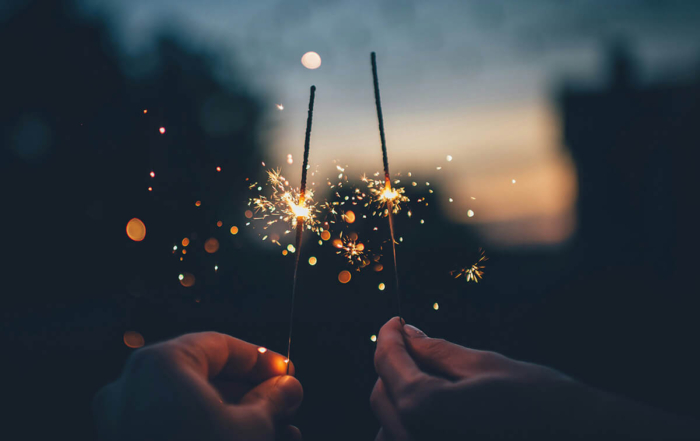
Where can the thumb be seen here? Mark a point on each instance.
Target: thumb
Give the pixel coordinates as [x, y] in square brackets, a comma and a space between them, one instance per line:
[278, 397]
[440, 356]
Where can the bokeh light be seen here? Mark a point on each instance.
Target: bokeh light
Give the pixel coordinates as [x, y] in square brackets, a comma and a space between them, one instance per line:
[198, 203]
[311, 60]
[219, 224]
[381, 287]
[187, 280]
[185, 242]
[211, 246]
[136, 230]
[344, 276]
[436, 306]
[325, 235]
[152, 174]
[349, 216]
[218, 169]
[291, 248]
[470, 213]
[378, 267]
[234, 230]
[312, 261]
[262, 350]
[373, 337]
[248, 214]
[161, 130]
[133, 339]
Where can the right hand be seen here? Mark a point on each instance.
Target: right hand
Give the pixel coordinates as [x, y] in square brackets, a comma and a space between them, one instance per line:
[431, 389]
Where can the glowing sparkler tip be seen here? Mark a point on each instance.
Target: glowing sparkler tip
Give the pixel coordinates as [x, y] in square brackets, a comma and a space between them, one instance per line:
[262, 350]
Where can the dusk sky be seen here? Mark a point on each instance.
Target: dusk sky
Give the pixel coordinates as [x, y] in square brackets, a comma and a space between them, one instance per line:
[472, 79]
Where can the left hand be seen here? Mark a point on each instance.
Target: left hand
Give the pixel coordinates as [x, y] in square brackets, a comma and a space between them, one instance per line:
[204, 386]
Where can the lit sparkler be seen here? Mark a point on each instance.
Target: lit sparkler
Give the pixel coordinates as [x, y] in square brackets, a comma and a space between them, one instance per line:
[474, 272]
[389, 195]
[286, 204]
[301, 213]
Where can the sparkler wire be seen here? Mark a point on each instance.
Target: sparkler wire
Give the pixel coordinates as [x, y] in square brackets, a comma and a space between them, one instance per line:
[300, 219]
[387, 176]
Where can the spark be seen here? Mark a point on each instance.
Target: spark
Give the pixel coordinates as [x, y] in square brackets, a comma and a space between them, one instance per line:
[436, 306]
[285, 204]
[280, 106]
[161, 130]
[145, 111]
[470, 213]
[218, 169]
[262, 350]
[449, 158]
[152, 174]
[513, 181]
[373, 337]
[475, 272]
[352, 250]
[383, 196]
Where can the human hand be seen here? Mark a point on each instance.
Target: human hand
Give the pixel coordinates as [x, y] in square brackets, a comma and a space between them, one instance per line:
[204, 386]
[432, 389]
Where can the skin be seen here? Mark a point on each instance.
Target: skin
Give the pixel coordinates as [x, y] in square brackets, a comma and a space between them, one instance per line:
[204, 386]
[431, 389]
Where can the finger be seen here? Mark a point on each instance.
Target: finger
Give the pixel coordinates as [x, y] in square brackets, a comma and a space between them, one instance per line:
[276, 397]
[232, 391]
[387, 414]
[289, 433]
[444, 358]
[394, 365]
[213, 354]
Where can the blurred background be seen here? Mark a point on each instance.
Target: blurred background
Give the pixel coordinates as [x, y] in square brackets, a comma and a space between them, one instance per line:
[559, 136]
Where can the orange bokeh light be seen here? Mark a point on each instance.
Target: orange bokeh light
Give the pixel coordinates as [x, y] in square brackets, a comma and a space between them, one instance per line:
[133, 339]
[211, 246]
[248, 214]
[150, 188]
[349, 217]
[325, 235]
[136, 230]
[337, 243]
[218, 224]
[152, 174]
[344, 276]
[234, 230]
[378, 267]
[185, 242]
[187, 280]
[145, 110]
[218, 169]
[198, 203]
[161, 130]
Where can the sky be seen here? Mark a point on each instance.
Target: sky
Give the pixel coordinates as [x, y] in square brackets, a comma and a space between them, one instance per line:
[475, 80]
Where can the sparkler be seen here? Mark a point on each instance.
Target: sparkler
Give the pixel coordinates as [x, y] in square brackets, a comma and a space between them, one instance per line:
[389, 196]
[301, 212]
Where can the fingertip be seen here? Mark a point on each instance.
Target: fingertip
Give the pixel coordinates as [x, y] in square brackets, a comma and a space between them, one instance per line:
[291, 389]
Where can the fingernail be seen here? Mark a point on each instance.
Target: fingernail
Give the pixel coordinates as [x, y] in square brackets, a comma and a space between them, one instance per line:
[412, 331]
